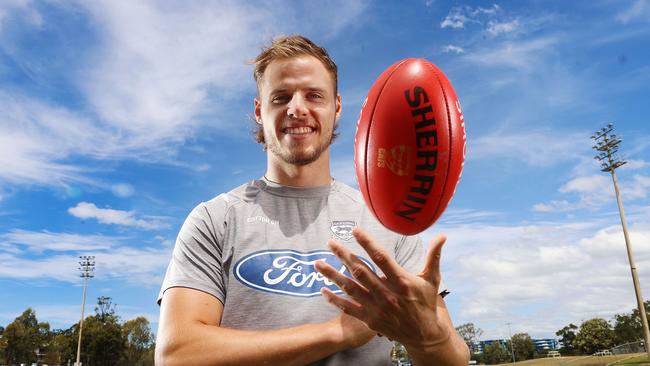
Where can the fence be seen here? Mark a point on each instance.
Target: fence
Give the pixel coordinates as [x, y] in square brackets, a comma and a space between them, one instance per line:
[632, 347]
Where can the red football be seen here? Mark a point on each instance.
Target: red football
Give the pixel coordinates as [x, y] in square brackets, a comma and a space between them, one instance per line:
[409, 146]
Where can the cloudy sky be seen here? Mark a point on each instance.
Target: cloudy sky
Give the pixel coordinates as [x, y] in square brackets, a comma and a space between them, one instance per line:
[118, 117]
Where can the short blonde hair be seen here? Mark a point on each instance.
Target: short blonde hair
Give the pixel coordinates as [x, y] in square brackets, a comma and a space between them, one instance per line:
[286, 47]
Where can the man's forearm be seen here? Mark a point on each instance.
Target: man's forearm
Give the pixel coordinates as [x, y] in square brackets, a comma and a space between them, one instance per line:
[452, 352]
[200, 344]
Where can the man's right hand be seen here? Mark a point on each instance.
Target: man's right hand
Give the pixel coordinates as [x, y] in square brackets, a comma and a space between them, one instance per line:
[352, 331]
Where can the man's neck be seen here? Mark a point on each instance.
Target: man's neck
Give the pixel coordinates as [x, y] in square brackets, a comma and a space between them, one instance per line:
[311, 175]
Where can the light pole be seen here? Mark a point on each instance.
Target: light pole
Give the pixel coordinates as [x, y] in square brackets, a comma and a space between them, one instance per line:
[512, 346]
[87, 266]
[607, 146]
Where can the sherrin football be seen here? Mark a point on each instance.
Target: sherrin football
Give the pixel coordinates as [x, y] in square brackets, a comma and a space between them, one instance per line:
[409, 146]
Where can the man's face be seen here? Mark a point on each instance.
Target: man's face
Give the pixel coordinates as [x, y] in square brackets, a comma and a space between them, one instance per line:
[297, 108]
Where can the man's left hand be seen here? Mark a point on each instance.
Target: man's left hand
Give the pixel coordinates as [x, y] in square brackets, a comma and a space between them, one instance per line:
[399, 305]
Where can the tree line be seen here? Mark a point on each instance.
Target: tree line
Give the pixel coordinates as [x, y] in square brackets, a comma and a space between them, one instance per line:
[591, 336]
[597, 334]
[105, 340]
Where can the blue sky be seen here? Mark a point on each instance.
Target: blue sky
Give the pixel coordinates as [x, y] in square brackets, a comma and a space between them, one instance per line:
[118, 117]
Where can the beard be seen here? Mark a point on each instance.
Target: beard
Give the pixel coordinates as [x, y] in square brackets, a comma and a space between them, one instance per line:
[300, 158]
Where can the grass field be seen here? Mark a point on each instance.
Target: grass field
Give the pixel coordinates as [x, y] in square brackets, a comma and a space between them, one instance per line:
[635, 359]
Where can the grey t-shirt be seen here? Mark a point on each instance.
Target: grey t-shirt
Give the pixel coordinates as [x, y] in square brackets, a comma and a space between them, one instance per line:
[254, 249]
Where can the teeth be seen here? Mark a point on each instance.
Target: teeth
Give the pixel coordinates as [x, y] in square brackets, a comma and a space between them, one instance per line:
[298, 130]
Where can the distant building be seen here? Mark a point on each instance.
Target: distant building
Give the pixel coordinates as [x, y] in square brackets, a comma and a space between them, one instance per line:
[546, 344]
[479, 347]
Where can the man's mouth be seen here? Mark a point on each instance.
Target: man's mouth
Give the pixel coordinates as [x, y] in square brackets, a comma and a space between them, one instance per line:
[297, 130]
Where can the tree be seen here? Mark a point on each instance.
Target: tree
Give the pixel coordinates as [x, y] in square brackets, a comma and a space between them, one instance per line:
[495, 353]
[627, 327]
[105, 308]
[63, 347]
[3, 346]
[139, 342]
[594, 335]
[567, 337]
[469, 333]
[102, 335]
[102, 343]
[524, 347]
[23, 337]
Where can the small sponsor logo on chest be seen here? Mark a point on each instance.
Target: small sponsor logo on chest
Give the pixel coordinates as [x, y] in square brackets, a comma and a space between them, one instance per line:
[262, 219]
[289, 272]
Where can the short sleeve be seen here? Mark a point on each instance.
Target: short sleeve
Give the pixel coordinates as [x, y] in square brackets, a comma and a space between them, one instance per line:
[410, 254]
[197, 257]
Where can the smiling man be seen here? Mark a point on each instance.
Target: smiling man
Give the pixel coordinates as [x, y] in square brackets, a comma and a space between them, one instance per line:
[252, 280]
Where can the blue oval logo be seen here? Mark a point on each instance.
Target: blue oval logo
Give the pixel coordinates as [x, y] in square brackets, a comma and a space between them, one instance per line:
[289, 272]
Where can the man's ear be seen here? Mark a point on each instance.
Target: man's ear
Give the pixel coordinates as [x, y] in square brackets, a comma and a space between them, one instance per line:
[258, 110]
[338, 107]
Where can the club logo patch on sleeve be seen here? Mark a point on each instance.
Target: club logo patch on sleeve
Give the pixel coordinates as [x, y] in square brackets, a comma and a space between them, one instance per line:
[289, 272]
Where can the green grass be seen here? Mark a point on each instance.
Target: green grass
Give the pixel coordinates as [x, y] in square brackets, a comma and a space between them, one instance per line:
[635, 359]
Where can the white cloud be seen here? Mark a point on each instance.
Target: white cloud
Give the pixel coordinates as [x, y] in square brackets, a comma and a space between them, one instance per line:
[595, 191]
[635, 164]
[455, 19]
[555, 206]
[535, 148]
[459, 16]
[149, 79]
[123, 190]
[592, 188]
[39, 241]
[86, 210]
[34, 137]
[452, 48]
[566, 271]
[523, 55]
[113, 259]
[464, 215]
[496, 28]
[638, 11]
[22, 8]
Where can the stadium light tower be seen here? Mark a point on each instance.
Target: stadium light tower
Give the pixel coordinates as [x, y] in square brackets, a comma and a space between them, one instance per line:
[87, 266]
[512, 346]
[607, 147]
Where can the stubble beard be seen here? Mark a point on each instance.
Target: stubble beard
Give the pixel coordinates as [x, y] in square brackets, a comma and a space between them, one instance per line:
[301, 158]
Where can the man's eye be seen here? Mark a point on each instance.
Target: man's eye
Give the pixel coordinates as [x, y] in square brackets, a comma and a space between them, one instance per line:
[279, 99]
[315, 96]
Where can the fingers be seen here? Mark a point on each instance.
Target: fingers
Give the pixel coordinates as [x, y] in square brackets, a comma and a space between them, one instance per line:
[431, 271]
[346, 284]
[347, 306]
[357, 268]
[378, 255]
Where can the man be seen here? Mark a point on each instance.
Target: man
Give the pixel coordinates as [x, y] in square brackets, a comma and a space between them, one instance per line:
[251, 275]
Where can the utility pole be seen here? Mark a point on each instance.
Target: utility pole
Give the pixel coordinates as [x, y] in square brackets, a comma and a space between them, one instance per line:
[607, 146]
[87, 266]
[512, 345]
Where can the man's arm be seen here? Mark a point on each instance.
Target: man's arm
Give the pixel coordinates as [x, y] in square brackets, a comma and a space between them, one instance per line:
[451, 351]
[400, 305]
[189, 334]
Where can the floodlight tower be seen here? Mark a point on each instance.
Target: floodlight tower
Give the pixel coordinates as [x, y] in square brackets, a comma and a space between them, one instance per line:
[607, 147]
[87, 266]
[512, 345]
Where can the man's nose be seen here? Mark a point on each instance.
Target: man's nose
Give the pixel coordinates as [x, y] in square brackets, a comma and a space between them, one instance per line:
[297, 107]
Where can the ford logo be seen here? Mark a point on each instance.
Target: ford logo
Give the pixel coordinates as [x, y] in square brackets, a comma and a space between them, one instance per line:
[289, 272]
